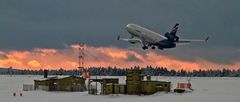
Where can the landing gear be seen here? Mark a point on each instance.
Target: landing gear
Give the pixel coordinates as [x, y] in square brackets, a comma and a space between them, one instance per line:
[144, 47]
[159, 47]
[153, 47]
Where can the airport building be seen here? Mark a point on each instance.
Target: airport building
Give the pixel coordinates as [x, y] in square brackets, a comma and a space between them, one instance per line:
[135, 84]
[61, 83]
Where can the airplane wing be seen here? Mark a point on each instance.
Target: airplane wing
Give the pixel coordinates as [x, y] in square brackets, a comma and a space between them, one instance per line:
[131, 40]
[186, 41]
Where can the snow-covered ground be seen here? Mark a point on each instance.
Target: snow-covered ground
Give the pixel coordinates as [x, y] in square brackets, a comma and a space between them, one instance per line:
[206, 90]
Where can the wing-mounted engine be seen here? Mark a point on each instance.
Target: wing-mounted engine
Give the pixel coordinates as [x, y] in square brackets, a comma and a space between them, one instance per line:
[134, 40]
[131, 40]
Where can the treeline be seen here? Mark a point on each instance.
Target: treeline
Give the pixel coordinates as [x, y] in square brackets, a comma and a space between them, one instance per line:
[113, 71]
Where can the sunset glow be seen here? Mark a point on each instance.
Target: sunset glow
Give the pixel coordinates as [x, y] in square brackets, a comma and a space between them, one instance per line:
[42, 58]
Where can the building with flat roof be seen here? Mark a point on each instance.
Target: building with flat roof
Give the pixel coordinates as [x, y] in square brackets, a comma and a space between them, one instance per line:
[61, 83]
[135, 84]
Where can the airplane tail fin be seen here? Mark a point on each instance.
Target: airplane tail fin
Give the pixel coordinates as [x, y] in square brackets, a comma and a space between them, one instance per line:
[176, 25]
[174, 29]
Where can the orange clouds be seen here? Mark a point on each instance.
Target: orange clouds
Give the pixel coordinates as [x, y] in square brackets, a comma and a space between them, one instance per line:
[34, 64]
[100, 56]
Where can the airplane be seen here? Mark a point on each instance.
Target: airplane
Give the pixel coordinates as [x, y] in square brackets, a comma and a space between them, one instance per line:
[149, 38]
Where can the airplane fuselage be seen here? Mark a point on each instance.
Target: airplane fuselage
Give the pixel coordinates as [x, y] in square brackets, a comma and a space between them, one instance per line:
[143, 33]
[148, 37]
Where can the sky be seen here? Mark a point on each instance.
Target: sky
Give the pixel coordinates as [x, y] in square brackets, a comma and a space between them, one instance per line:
[38, 34]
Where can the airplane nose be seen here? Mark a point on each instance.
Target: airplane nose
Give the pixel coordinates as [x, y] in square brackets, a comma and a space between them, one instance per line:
[128, 26]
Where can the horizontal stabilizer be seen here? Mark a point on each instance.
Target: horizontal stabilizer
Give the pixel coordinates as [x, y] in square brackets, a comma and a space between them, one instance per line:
[192, 40]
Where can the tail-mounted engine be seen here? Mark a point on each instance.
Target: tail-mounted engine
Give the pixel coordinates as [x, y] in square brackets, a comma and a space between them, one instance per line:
[171, 37]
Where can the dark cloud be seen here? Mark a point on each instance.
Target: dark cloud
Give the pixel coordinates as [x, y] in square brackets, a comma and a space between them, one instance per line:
[29, 24]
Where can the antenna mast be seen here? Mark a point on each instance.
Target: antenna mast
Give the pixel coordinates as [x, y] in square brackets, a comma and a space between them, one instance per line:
[81, 59]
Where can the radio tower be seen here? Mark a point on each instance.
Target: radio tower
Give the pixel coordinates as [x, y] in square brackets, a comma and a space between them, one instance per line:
[81, 59]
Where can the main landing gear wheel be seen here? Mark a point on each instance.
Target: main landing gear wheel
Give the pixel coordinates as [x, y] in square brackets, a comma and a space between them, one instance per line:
[144, 47]
[153, 47]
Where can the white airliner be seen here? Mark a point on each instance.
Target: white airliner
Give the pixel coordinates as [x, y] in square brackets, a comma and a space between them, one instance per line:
[152, 39]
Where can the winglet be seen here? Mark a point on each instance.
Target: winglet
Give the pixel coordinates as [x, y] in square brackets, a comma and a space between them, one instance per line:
[118, 37]
[176, 24]
[206, 39]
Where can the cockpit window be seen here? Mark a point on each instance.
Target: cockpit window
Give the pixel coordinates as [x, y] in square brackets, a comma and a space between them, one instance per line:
[138, 31]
